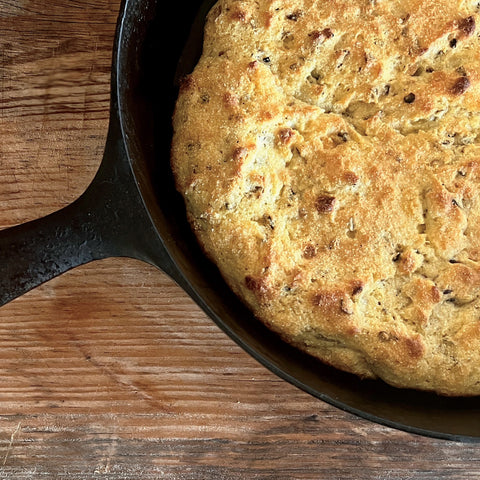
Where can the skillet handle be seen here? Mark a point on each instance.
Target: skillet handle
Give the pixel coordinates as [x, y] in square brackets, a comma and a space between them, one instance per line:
[108, 219]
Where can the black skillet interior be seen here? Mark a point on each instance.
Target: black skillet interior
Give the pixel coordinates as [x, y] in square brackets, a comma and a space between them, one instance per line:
[151, 43]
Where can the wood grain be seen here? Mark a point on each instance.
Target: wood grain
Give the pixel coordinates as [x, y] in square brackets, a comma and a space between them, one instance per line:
[111, 371]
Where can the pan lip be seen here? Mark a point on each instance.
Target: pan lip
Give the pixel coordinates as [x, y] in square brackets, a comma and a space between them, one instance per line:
[425, 432]
[186, 284]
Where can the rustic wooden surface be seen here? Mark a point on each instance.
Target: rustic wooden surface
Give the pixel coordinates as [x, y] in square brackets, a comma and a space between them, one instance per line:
[111, 371]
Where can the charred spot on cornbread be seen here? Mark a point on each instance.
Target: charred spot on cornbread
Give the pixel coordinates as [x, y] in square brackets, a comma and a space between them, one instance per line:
[325, 203]
[460, 85]
[467, 25]
[309, 251]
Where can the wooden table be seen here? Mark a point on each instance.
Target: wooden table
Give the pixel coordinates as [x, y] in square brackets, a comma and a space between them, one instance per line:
[111, 371]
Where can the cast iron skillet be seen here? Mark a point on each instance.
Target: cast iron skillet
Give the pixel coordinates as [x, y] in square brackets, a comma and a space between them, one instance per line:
[131, 209]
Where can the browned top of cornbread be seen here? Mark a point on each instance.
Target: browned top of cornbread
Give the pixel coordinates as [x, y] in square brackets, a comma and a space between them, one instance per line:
[329, 156]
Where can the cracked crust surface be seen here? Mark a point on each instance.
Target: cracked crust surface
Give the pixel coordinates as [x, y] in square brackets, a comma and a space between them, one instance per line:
[329, 157]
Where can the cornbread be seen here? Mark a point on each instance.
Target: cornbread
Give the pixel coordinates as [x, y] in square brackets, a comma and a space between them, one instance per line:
[329, 157]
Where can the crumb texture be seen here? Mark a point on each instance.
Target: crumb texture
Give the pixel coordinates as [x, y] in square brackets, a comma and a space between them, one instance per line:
[329, 157]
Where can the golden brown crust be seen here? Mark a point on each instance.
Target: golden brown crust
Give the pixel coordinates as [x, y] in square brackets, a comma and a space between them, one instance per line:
[329, 154]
